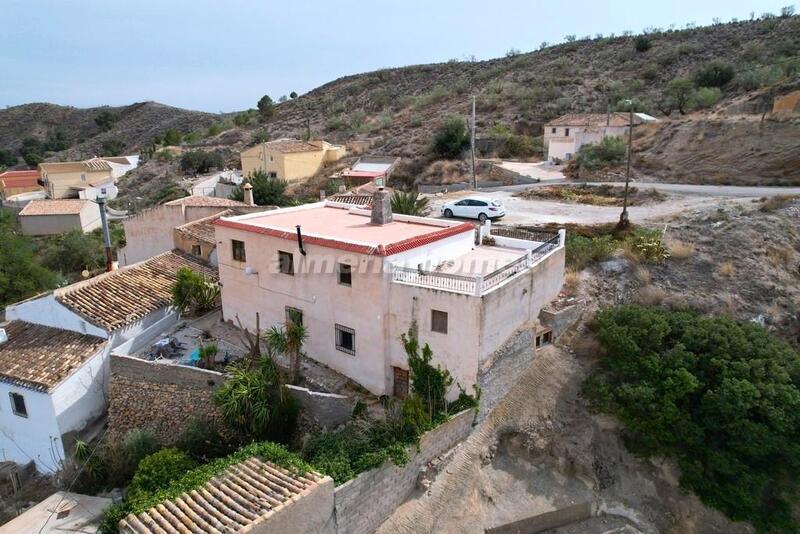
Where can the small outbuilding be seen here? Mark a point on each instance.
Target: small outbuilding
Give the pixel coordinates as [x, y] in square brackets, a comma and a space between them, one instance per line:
[51, 216]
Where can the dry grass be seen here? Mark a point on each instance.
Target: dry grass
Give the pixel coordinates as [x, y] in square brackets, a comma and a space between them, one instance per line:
[595, 195]
[770, 204]
[728, 305]
[572, 281]
[643, 275]
[651, 295]
[680, 250]
[726, 269]
[780, 257]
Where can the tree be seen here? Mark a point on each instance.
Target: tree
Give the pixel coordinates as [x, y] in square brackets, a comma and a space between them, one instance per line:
[642, 43]
[193, 293]
[7, 158]
[714, 74]
[105, 119]
[172, 138]
[409, 203]
[610, 151]
[429, 383]
[451, 138]
[679, 93]
[722, 398]
[266, 107]
[21, 276]
[112, 147]
[293, 95]
[289, 340]
[267, 191]
[200, 161]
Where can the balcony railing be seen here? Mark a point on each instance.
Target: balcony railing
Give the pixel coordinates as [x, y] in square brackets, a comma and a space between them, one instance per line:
[520, 233]
[447, 282]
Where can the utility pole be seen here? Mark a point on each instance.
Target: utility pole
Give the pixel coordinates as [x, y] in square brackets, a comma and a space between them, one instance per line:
[623, 218]
[472, 144]
[101, 203]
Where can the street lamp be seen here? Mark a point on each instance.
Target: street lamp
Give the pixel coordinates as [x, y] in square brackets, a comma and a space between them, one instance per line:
[623, 218]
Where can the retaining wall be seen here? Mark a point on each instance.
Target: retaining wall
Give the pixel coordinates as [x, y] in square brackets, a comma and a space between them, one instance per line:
[328, 409]
[363, 503]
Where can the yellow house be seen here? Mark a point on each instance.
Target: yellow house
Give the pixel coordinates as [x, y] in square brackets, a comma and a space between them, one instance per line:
[290, 159]
[67, 179]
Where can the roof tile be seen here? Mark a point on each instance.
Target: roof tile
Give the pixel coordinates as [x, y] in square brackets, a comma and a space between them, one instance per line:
[64, 206]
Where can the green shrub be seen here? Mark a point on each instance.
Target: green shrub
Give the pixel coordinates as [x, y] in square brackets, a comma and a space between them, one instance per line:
[193, 293]
[409, 203]
[755, 78]
[705, 97]
[164, 155]
[214, 129]
[642, 43]
[521, 146]
[790, 66]
[582, 251]
[200, 161]
[610, 151]
[434, 96]
[266, 108]
[430, 383]
[172, 138]
[647, 245]
[157, 471]
[451, 138]
[266, 191]
[112, 147]
[714, 74]
[203, 440]
[261, 136]
[720, 398]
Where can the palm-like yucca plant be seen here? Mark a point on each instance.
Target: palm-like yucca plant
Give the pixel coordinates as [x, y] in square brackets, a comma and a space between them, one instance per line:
[409, 203]
[289, 340]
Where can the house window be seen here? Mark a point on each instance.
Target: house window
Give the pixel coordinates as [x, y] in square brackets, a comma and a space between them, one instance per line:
[438, 321]
[271, 158]
[294, 315]
[345, 339]
[273, 175]
[566, 132]
[18, 405]
[286, 262]
[553, 130]
[238, 250]
[345, 274]
[83, 177]
[103, 191]
[400, 388]
[196, 250]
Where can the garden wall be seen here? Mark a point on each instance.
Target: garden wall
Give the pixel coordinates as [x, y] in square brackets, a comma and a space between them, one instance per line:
[158, 397]
[328, 409]
[363, 503]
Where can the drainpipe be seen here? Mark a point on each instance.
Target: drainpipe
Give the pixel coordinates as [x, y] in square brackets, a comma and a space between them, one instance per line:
[101, 203]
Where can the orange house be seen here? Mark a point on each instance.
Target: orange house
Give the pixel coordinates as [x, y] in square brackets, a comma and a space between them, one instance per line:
[16, 182]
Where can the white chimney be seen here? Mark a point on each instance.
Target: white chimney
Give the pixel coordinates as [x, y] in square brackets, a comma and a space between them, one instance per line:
[248, 194]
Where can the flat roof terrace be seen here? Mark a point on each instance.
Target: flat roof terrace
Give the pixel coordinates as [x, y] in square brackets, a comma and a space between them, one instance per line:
[347, 228]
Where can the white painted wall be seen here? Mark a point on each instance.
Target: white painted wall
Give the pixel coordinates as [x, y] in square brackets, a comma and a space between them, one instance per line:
[36, 437]
[82, 396]
[46, 310]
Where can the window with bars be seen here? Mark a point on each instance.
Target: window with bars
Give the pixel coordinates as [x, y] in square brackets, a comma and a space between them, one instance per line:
[345, 273]
[438, 321]
[237, 247]
[345, 339]
[18, 405]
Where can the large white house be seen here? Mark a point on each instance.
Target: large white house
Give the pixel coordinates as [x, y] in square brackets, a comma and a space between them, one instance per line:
[564, 136]
[358, 279]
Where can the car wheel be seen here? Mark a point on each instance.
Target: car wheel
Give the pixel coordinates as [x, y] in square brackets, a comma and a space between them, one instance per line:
[448, 213]
[482, 217]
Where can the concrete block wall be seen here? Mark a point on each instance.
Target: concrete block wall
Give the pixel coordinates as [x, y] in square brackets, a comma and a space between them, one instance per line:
[328, 409]
[363, 503]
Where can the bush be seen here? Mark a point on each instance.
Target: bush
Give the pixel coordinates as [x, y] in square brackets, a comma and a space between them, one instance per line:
[521, 146]
[266, 108]
[755, 78]
[158, 470]
[451, 138]
[721, 398]
[705, 97]
[647, 245]
[610, 151]
[581, 251]
[105, 120]
[266, 191]
[193, 293]
[200, 161]
[429, 383]
[21, 275]
[172, 138]
[642, 43]
[714, 74]
[203, 440]
[7, 158]
[112, 147]
[409, 203]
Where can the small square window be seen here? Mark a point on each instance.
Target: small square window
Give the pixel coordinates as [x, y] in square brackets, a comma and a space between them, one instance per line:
[553, 130]
[238, 250]
[286, 262]
[18, 405]
[273, 175]
[345, 339]
[294, 315]
[345, 274]
[566, 132]
[438, 321]
[196, 250]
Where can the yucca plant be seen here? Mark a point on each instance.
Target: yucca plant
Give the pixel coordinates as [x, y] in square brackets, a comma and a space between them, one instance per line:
[289, 340]
[409, 203]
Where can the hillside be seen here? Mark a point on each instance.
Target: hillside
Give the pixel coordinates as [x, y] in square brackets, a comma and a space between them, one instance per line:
[394, 111]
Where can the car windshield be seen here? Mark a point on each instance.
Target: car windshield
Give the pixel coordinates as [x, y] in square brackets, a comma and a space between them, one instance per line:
[496, 203]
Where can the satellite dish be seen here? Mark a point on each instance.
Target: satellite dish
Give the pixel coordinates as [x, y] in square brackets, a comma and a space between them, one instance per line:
[85, 273]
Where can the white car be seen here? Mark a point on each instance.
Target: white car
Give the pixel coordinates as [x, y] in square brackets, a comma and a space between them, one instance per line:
[480, 208]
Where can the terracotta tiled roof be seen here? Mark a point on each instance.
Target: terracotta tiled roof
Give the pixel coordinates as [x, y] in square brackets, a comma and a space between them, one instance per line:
[19, 174]
[203, 201]
[287, 146]
[349, 198]
[90, 165]
[203, 229]
[11, 179]
[40, 357]
[594, 119]
[115, 299]
[245, 494]
[65, 206]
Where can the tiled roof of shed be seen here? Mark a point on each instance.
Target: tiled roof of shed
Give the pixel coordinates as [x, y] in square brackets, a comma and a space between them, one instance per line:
[203, 229]
[204, 201]
[288, 146]
[594, 119]
[62, 206]
[115, 299]
[39, 357]
[353, 199]
[246, 493]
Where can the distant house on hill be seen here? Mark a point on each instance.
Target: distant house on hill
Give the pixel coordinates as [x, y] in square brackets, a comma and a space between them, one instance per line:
[17, 182]
[290, 159]
[564, 136]
[49, 217]
[369, 169]
[85, 179]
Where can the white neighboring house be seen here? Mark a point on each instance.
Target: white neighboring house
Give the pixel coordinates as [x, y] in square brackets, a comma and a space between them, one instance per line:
[122, 310]
[51, 385]
[57, 216]
[564, 136]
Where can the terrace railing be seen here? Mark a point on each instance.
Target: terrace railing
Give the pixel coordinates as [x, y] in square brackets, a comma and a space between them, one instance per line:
[520, 233]
[445, 281]
[506, 271]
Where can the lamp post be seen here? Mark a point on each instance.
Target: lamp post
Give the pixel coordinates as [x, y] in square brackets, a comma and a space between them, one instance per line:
[623, 217]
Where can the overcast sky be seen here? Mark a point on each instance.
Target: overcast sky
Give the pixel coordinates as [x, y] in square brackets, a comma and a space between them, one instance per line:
[222, 55]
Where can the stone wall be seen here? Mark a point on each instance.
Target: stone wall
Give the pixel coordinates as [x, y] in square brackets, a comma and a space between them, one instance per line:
[548, 520]
[158, 397]
[559, 320]
[363, 503]
[328, 409]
